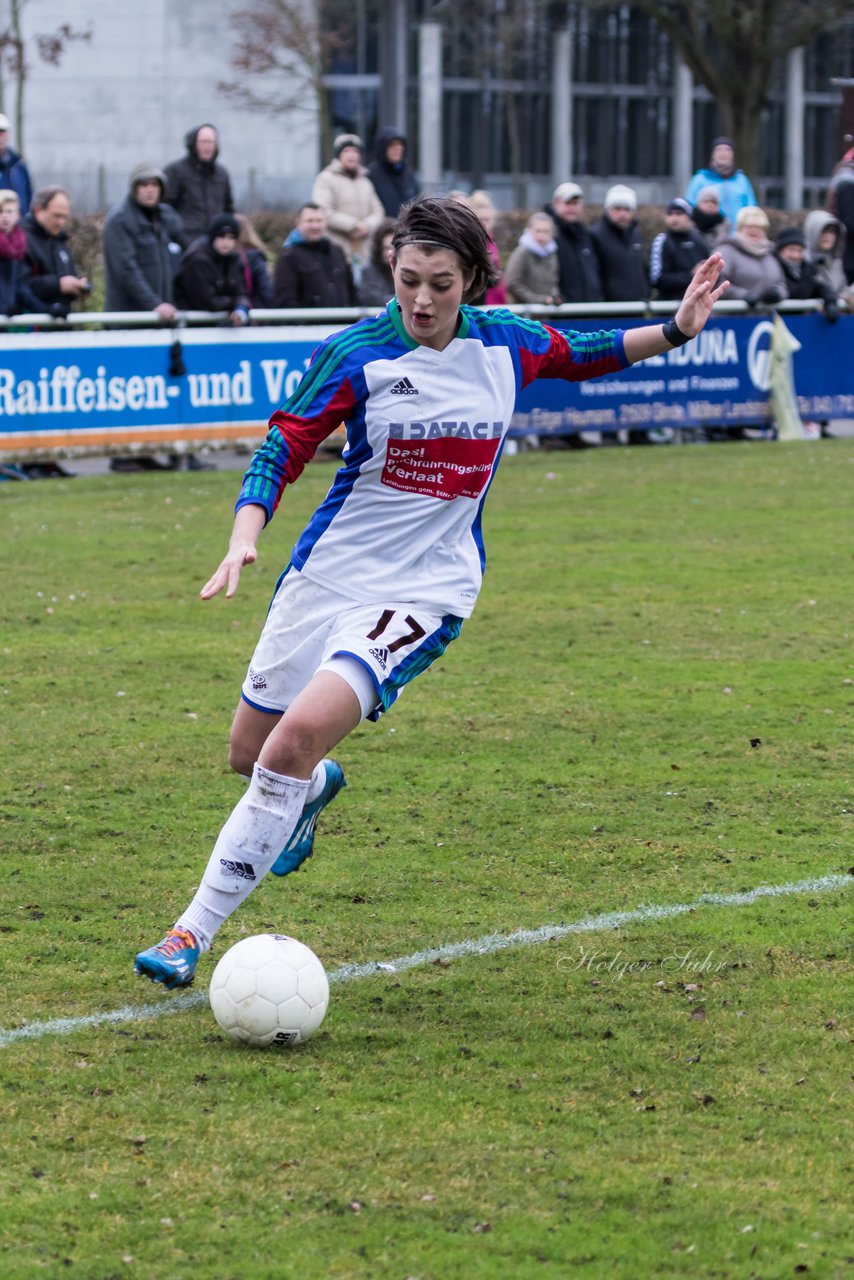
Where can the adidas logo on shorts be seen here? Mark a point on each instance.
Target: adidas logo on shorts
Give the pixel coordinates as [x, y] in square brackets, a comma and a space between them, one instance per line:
[381, 656]
[404, 388]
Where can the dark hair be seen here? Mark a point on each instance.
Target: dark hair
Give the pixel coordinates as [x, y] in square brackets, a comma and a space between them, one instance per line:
[44, 195]
[309, 204]
[378, 258]
[442, 222]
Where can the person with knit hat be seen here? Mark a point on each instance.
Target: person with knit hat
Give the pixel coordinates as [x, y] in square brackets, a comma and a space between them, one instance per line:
[349, 199]
[618, 244]
[707, 216]
[209, 276]
[734, 186]
[142, 247]
[675, 253]
[802, 274]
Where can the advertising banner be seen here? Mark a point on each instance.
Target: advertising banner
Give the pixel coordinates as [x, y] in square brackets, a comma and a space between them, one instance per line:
[105, 391]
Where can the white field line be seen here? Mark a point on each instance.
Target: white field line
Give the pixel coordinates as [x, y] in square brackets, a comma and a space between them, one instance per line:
[486, 945]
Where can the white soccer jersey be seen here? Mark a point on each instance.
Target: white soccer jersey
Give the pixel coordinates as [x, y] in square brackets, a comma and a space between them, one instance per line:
[425, 429]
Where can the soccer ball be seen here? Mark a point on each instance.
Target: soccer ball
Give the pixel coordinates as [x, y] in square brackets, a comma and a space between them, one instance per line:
[269, 989]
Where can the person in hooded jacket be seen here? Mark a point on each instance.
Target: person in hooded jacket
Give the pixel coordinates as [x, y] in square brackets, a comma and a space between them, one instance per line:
[210, 277]
[394, 181]
[311, 270]
[826, 248]
[840, 202]
[197, 186]
[142, 247]
[347, 196]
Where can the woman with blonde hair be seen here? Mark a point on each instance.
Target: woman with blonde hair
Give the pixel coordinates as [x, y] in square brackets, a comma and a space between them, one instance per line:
[481, 204]
[750, 264]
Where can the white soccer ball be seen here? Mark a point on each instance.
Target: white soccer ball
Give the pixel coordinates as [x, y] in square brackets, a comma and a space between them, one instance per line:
[269, 989]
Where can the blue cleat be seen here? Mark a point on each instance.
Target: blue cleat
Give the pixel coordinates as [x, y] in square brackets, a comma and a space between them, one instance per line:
[173, 961]
[301, 843]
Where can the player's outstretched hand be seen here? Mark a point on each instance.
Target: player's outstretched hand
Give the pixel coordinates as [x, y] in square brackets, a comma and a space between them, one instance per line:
[701, 295]
[228, 573]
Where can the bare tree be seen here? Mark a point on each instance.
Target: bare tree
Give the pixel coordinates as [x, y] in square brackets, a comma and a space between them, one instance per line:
[731, 47]
[15, 57]
[282, 51]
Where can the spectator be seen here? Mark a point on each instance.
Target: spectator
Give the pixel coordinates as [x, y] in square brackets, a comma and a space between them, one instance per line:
[619, 248]
[377, 285]
[753, 271]
[142, 247]
[840, 202]
[481, 204]
[254, 262]
[676, 252]
[826, 244]
[533, 269]
[53, 276]
[14, 174]
[733, 184]
[802, 278]
[311, 270]
[197, 186]
[346, 195]
[209, 276]
[579, 279]
[394, 181]
[15, 294]
[708, 219]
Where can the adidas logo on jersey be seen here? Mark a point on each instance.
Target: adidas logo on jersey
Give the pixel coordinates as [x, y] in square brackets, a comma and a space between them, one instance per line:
[404, 388]
[381, 656]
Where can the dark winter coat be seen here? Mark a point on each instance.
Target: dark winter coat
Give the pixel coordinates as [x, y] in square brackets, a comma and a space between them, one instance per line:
[209, 281]
[48, 258]
[579, 279]
[197, 190]
[844, 187]
[375, 287]
[802, 281]
[314, 274]
[141, 255]
[15, 176]
[395, 184]
[15, 293]
[673, 257]
[621, 261]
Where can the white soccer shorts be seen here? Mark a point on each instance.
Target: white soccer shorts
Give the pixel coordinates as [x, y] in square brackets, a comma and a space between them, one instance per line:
[309, 627]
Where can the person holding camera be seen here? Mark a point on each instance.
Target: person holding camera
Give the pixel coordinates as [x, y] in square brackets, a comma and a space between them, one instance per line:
[53, 277]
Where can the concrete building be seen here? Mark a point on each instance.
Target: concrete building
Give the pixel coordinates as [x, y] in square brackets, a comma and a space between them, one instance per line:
[595, 96]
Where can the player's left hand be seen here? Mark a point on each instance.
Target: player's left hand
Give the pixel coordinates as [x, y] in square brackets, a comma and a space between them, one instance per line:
[701, 295]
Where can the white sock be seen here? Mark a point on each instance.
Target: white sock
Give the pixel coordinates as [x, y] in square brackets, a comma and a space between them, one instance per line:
[259, 827]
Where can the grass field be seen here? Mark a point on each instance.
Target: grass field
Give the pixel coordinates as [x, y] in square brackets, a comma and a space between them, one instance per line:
[653, 702]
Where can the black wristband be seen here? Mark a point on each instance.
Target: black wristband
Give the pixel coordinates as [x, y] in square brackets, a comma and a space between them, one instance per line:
[674, 335]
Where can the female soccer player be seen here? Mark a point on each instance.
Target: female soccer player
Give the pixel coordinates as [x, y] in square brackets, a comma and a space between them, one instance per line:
[391, 563]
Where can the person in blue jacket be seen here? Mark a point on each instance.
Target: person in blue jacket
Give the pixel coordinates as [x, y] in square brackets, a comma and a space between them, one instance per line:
[736, 191]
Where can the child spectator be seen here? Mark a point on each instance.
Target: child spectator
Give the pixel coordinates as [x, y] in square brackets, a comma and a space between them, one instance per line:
[253, 259]
[481, 204]
[533, 270]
